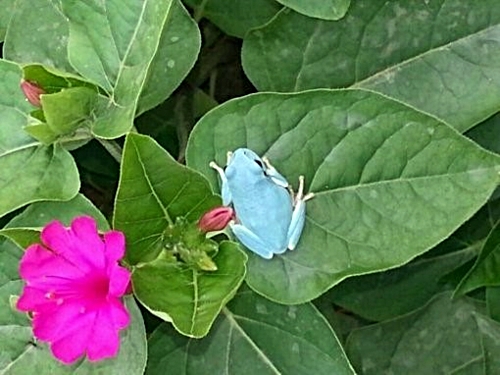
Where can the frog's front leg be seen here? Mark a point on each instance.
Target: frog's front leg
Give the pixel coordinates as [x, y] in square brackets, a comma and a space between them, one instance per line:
[226, 194]
[298, 216]
[252, 241]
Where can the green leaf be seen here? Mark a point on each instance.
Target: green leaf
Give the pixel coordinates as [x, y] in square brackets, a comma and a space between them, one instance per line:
[324, 9]
[235, 17]
[30, 171]
[487, 134]
[386, 295]
[115, 50]
[29, 40]
[424, 53]
[436, 339]
[390, 182]
[490, 341]
[191, 299]
[485, 270]
[493, 302]
[5, 15]
[153, 191]
[25, 228]
[252, 336]
[178, 49]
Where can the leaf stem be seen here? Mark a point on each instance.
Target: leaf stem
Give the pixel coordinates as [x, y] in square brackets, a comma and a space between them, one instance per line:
[113, 148]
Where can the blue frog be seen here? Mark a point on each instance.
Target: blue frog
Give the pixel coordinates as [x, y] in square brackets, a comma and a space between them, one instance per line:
[269, 217]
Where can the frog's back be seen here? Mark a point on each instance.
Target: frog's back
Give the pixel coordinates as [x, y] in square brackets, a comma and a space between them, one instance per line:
[264, 208]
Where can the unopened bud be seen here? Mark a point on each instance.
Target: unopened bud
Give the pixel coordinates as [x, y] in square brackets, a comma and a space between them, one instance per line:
[32, 92]
[216, 219]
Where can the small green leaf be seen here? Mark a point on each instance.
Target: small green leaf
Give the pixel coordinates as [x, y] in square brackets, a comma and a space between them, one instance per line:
[235, 17]
[323, 9]
[25, 228]
[422, 53]
[485, 270]
[153, 191]
[69, 109]
[390, 182]
[253, 336]
[191, 299]
[436, 339]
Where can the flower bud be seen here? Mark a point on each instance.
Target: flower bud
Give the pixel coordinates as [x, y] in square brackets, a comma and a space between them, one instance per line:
[32, 92]
[216, 219]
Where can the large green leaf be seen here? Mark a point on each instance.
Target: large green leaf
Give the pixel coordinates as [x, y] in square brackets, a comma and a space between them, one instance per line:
[177, 52]
[440, 57]
[390, 182]
[252, 336]
[437, 339]
[153, 191]
[20, 356]
[490, 341]
[25, 228]
[324, 9]
[137, 52]
[388, 294]
[190, 298]
[29, 171]
[235, 17]
[5, 15]
[29, 40]
[114, 49]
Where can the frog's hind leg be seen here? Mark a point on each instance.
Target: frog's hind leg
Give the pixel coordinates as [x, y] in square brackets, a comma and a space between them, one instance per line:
[251, 241]
[226, 194]
[298, 216]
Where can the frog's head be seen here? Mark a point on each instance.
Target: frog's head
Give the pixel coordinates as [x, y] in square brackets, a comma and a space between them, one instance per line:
[246, 159]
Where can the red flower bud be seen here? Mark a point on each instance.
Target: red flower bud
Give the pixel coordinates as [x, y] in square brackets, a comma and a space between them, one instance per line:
[32, 92]
[216, 219]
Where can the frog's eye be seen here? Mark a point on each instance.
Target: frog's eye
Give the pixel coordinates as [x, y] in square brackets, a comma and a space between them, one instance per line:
[259, 163]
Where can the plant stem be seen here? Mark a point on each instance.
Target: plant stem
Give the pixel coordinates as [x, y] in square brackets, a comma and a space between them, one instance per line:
[113, 148]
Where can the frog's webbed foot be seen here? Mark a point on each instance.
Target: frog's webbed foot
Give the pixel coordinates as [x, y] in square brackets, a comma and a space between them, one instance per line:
[300, 197]
[215, 166]
[298, 215]
[226, 194]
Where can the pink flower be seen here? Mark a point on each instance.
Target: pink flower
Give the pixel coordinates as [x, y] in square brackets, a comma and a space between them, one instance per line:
[32, 92]
[216, 219]
[73, 289]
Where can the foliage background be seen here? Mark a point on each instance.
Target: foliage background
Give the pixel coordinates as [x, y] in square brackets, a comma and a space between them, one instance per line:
[388, 108]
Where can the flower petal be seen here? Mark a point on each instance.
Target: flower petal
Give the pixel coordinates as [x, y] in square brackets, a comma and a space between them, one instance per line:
[85, 228]
[65, 243]
[38, 262]
[119, 279]
[34, 299]
[75, 340]
[119, 313]
[105, 340]
[115, 246]
[52, 325]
